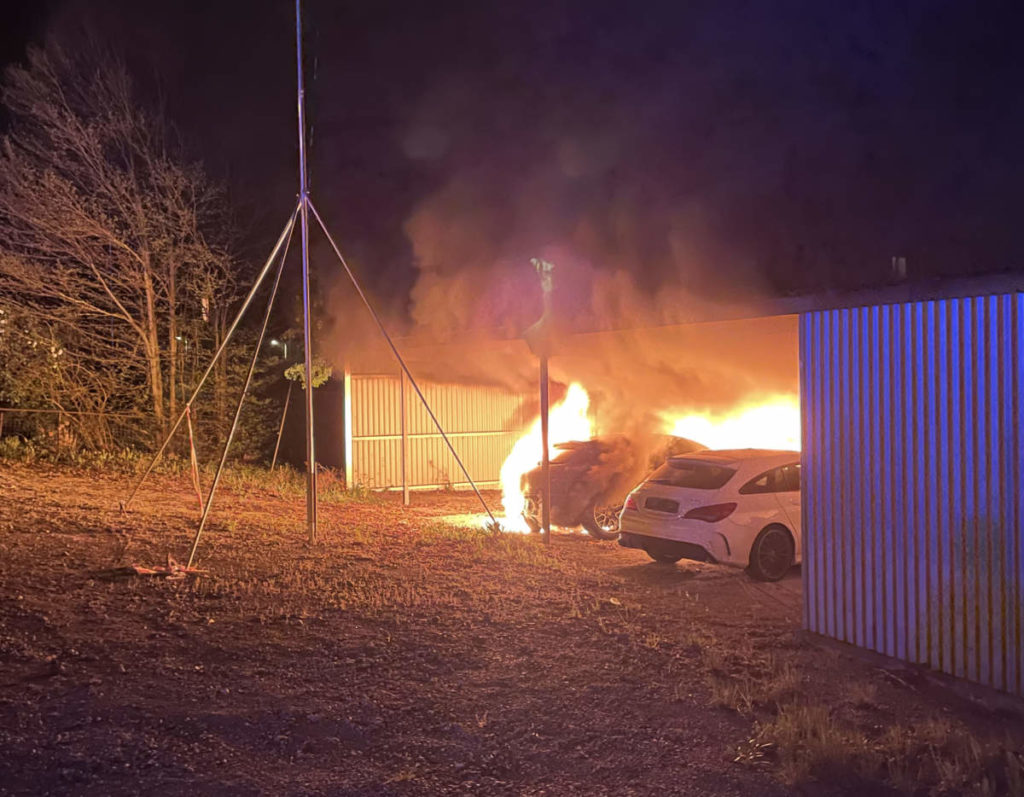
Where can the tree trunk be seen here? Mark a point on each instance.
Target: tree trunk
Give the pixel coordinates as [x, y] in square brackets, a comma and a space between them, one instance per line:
[172, 338]
[156, 382]
[220, 325]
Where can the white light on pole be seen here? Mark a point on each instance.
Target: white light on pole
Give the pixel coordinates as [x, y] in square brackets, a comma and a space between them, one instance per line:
[282, 344]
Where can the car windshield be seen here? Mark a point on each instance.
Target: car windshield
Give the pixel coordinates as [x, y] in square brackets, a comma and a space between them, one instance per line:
[693, 474]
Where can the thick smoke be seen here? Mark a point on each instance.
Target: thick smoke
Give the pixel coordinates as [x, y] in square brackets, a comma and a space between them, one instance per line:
[641, 224]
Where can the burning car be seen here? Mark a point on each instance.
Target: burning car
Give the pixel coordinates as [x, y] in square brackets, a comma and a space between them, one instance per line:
[739, 507]
[589, 479]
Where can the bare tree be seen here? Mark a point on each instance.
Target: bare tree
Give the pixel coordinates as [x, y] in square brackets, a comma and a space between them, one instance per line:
[107, 234]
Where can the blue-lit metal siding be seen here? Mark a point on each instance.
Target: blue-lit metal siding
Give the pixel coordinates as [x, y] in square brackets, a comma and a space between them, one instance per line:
[912, 502]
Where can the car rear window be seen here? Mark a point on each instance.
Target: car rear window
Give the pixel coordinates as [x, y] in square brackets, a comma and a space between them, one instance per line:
[693, 474]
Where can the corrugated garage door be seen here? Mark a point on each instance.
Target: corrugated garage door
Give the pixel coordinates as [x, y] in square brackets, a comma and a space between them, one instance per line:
[912, 500]
[482, 423]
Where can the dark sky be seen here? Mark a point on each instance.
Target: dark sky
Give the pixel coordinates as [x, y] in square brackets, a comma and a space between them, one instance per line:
[783, 144]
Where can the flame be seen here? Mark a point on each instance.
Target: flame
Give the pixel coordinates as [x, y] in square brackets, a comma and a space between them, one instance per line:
[774, 423]
[567, 421]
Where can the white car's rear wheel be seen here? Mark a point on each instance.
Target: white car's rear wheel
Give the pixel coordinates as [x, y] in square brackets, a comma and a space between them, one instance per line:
[772, 554]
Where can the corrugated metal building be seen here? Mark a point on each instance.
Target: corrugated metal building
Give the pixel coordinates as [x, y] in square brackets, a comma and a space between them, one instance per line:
[387, 446]
[912, 500]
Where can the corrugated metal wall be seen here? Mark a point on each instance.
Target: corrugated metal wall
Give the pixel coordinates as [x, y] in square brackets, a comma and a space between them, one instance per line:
[482, 423]
[912, 502]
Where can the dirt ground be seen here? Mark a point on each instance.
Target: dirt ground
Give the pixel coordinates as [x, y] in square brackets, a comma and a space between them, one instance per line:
[405, 655]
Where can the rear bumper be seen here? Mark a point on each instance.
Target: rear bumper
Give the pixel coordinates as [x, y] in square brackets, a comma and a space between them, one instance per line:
[693, 539]
[687, 550]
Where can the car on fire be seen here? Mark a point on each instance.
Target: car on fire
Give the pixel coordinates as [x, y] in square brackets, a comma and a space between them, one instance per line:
[590, 478]
[739, 507]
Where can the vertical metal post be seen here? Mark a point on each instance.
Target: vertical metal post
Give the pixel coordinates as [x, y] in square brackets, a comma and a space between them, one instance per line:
[280, 429]
[306, 334]
[539, 339]
[405, 438]
[347, 419]
[545, 458]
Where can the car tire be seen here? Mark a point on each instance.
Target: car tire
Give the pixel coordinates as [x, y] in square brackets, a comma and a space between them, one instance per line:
[662, 557]
[531, 514]
[602, 521]
[772, 554]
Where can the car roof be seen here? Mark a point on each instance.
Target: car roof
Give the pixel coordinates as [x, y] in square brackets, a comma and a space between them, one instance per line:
[736, 456]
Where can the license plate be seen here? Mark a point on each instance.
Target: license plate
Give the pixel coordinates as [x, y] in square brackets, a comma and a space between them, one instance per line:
[662, 505]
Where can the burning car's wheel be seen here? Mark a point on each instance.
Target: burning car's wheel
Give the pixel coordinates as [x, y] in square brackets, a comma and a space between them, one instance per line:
[602, 521]
[772, 554]
[531, 514]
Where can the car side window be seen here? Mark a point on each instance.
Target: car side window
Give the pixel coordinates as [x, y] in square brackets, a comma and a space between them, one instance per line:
[790, 478]
[777, 480]
[757, 485]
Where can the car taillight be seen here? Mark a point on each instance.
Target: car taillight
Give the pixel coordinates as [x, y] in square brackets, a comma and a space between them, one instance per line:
[630, 503]
[711, 514]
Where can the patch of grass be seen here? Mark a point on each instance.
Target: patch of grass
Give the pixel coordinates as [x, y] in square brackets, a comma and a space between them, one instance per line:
[811, 745]
[484, 545]
[935, 757]
[241, 477]
[743, 681]
[286, 482]
[862, 694]
[732, 692]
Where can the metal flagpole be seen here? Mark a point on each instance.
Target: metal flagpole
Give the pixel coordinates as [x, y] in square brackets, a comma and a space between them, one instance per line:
[306, 335]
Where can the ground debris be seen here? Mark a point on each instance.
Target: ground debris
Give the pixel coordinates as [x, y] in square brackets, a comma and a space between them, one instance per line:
[172, 571]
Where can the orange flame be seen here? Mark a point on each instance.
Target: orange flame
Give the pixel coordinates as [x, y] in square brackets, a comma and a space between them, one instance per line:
[567, 421]
[773, 424]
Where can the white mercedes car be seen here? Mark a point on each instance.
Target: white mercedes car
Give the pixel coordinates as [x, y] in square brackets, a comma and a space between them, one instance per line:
[738, 508]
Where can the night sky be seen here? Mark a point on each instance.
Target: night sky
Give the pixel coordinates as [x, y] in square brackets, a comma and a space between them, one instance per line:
[776, 147]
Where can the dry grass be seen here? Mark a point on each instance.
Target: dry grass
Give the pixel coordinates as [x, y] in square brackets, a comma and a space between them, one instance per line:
[938, 757]
[854, 743]
[522, 652]
[810, 742]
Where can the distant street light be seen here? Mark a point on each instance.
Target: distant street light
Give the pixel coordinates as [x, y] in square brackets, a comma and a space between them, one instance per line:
[282, 344]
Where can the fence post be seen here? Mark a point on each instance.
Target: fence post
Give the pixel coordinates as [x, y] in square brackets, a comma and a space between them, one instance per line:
[347, 411]
[405, 438]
